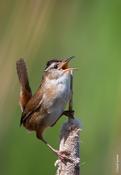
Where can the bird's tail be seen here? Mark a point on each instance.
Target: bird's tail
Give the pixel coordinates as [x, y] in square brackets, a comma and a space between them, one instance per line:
[25, 91]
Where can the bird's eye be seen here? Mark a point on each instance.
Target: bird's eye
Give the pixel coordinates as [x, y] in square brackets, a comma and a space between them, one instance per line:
[55, 66]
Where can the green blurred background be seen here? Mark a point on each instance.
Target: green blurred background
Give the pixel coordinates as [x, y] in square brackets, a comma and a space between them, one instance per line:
[39, 30]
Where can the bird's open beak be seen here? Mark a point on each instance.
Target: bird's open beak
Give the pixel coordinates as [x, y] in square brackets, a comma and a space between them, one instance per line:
[64, 64]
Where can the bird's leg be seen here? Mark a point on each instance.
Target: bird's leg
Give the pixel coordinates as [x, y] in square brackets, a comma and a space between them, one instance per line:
[68, 113]
[49, 146]
[63, 155]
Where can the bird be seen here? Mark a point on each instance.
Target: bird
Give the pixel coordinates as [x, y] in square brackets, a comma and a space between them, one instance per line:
[47, 105]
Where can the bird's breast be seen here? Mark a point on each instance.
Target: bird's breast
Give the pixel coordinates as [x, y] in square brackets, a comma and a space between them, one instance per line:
[56, 91]
[56, 95]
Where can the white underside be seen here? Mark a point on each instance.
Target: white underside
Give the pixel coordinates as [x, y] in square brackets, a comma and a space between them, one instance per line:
[60, 98]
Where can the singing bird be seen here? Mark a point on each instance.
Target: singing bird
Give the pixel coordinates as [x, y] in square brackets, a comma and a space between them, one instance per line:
[46, 106]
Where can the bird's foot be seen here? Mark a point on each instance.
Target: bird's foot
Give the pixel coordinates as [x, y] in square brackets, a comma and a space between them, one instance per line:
[63, 155]
[69, 113]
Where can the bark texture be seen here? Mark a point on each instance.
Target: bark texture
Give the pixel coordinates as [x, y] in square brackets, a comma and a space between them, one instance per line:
[69, 143]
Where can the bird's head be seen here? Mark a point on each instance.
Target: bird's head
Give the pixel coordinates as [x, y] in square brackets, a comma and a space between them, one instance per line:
[58, 67]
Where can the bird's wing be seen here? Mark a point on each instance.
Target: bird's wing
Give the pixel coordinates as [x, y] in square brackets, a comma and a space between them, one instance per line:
[33, 105]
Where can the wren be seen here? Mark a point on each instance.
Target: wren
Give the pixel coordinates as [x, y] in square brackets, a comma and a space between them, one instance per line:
[46, 106]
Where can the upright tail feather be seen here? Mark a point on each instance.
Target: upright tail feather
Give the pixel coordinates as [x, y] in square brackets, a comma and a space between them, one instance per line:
[25, 90]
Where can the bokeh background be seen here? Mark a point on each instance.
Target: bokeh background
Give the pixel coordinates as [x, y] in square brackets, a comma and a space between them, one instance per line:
[38, 30]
